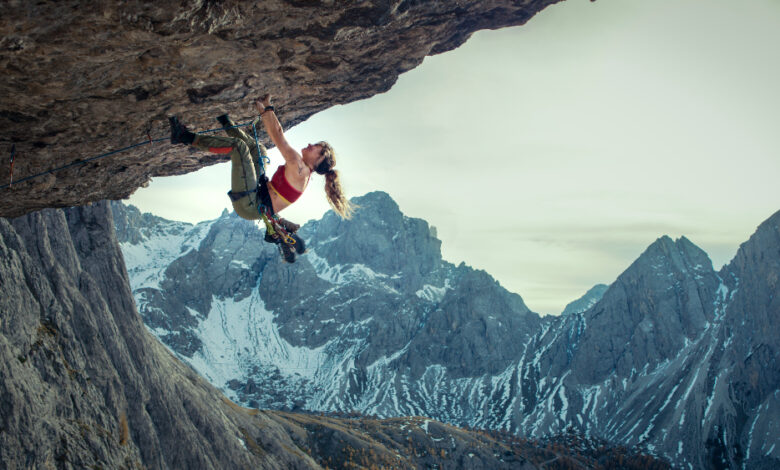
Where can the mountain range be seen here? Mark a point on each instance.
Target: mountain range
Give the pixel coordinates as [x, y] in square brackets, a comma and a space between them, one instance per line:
[673, 357]
[83, 384]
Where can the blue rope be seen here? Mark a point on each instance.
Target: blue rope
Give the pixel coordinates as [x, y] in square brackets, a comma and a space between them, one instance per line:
[261, 159]
[114, 152]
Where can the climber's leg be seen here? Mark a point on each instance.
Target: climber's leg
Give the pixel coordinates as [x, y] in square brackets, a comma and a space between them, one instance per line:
[230, 129]
[243, 177]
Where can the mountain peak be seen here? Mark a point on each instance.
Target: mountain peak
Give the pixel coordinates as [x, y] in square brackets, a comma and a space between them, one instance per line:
[675, 255]
[376, 199]
[378, 236]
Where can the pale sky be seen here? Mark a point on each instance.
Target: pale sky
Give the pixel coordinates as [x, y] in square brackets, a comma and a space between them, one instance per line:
[551, 155]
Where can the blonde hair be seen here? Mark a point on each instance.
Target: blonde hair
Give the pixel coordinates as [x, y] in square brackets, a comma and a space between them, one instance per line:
[333, 191]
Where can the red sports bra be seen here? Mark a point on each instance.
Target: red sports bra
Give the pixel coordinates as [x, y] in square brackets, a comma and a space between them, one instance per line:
[282, 187]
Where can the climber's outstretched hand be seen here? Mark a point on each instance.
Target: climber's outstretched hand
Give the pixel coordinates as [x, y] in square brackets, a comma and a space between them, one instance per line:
[276, 132]
[263, 102]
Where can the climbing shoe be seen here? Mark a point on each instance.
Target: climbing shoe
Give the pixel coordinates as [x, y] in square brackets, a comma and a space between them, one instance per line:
[179, 132]
[226, 121]
[300, 245]
[290, 227]
[287, 252]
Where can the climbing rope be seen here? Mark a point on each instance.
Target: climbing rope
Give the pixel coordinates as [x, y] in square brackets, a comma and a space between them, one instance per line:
[149, 141]
[262, 158]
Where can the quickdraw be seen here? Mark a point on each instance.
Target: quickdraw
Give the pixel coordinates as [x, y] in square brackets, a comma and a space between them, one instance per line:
[272, 225]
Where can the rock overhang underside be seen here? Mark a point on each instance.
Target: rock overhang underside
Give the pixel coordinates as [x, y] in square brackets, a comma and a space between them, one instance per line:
[82, 82]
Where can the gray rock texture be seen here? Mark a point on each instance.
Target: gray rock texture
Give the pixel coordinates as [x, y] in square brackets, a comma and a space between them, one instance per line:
[744, 411]
[674, 358]
[82, 80]
[663, 299]
[83, 384]
[450, 328]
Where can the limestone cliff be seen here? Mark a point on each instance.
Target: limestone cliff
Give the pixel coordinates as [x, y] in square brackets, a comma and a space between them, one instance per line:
[83, 384]
[81, 80]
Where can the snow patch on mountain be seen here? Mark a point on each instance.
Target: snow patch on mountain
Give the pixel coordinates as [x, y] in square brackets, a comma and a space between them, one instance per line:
[146, 261]
[343, 273]
[434, 294]
[239, 335]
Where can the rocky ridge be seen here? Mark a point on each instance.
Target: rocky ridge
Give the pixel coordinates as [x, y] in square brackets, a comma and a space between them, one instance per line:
[80, 82]
[664, 360]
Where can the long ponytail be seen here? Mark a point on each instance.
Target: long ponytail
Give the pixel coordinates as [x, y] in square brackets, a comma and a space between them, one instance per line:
[335, 195]
[333, 191]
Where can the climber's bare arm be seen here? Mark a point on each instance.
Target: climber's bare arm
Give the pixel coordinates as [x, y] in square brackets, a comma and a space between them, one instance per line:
[276, 133]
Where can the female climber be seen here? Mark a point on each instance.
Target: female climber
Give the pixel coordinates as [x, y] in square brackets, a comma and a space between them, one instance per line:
[253, 196]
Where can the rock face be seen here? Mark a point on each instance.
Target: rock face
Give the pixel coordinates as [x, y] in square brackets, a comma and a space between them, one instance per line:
[675, 357]
[82, 81]
[744, 376]
[84, 385]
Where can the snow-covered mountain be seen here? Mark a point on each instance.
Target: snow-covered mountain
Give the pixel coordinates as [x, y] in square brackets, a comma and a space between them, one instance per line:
[674, 357]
